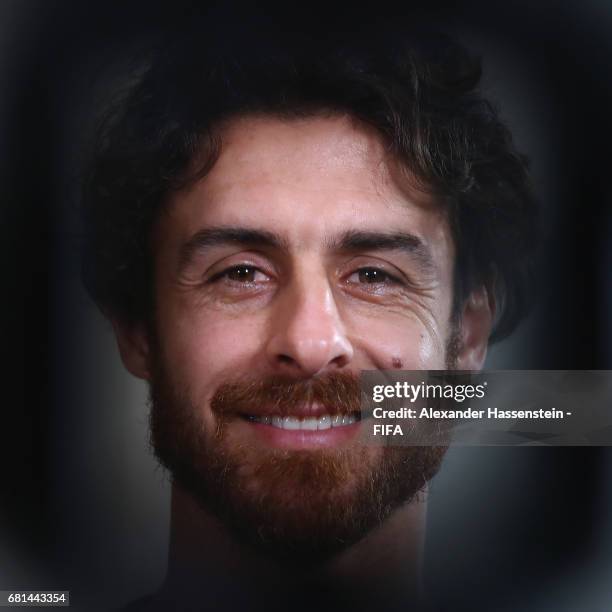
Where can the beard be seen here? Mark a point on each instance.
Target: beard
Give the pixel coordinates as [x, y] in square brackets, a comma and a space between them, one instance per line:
[301, 506]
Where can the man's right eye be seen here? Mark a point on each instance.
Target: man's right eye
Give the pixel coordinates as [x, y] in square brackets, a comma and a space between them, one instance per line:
[241, 274]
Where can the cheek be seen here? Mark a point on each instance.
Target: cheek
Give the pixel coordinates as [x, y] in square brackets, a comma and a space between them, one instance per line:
[206, 349]
[406, 344]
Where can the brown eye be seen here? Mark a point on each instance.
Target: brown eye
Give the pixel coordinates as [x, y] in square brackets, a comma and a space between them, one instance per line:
[240, 277]
[242, 274]
[373, 275]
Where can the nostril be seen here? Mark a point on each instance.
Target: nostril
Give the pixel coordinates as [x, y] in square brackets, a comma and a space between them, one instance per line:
[341, 361]
[285, 359]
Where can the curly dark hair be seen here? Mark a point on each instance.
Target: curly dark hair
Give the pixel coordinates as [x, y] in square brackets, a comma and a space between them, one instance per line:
[419, 91]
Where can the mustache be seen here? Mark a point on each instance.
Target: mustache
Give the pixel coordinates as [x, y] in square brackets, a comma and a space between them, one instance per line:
[336, 393]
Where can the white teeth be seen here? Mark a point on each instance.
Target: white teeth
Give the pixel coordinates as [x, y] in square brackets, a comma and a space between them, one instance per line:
[324, 422]
[291, 423]
[308, 424]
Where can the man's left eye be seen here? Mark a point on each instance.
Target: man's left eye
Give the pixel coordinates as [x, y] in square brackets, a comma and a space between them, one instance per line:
[372, 276]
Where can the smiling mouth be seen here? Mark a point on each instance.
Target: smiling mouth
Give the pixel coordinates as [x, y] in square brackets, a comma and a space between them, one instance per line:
[292, 423]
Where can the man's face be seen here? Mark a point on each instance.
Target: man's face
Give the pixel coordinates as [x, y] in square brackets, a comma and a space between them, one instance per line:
[303, 257]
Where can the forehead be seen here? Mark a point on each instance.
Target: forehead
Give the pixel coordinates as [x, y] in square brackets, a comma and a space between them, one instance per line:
[306, 179]
[328, 147]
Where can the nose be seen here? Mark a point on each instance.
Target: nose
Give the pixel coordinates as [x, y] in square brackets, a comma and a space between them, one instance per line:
[307, 334]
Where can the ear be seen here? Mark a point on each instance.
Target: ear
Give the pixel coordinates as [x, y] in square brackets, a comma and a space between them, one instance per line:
[476, 322]
[134, 347]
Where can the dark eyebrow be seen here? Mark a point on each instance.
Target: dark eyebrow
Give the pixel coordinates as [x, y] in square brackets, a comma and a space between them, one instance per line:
[351, 241]
[381, 241]
[216, 236]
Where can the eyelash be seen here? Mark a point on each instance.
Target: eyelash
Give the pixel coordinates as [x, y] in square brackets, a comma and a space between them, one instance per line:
[225, 274]
[387, 278]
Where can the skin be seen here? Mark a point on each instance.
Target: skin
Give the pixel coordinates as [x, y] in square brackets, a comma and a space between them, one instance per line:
[308, 305]
[306, 310]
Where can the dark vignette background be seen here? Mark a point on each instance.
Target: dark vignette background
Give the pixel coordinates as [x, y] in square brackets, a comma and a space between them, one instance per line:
[532, 531]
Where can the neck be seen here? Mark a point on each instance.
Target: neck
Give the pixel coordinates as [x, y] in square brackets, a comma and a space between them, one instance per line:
[204, 555]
